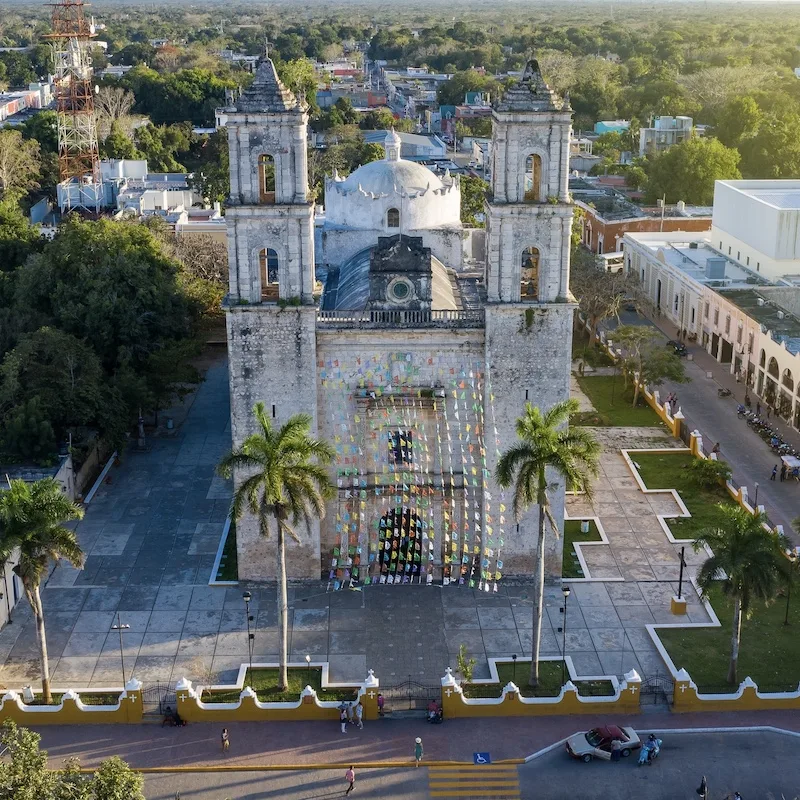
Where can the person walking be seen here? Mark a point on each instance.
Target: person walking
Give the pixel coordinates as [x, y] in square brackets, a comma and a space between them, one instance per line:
[343, 719]
[783, 472]
[350, 777]
[418, 750]
[774, 473]
[381, 701]
[769, 410]
[359, 714]
[226, 740]
[758, 408]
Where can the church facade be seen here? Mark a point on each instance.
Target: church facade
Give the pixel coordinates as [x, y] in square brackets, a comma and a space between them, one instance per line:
[412, 359]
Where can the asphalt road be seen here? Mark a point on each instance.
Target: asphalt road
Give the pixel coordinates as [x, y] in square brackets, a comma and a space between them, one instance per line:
[759, 765]
[406, 782]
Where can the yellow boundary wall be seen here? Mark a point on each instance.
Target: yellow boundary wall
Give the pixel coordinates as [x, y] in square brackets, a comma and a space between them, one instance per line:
[511, 703]
[249, 708]
[71, 711]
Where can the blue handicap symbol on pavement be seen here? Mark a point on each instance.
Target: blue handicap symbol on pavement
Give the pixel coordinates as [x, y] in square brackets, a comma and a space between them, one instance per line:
[481, 758]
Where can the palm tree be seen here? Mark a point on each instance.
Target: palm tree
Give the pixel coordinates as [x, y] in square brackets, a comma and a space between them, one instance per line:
[747, 564]
[31, 517]
[287, 484]
[546, 441]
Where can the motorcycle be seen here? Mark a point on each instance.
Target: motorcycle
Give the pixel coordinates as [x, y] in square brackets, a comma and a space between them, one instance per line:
[723, 392]
[650, 751]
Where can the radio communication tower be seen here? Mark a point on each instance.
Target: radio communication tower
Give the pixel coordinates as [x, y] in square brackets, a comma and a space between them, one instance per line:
[80, 185]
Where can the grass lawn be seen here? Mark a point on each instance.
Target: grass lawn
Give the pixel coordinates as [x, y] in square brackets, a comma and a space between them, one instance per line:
[228, 565]
[549, 682]
[593, 355]
[87, 698]
[670, 471]
[769, 653]
[265, 681]
[571, 567]
[606, 395]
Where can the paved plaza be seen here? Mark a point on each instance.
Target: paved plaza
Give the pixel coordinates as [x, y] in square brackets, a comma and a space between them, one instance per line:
[152, 532]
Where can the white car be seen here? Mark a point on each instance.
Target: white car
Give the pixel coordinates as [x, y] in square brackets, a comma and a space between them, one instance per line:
[596, 743]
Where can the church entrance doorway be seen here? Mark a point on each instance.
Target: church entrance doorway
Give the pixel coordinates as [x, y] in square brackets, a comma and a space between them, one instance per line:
[400, 547]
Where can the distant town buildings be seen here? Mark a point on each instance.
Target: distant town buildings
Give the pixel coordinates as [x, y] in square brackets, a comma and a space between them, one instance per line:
[36, 96]
[663, 134]
[612, 126]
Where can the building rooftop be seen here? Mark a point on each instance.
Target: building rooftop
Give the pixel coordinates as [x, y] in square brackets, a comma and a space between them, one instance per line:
[783, 326]
[613, 206]
[780, 194]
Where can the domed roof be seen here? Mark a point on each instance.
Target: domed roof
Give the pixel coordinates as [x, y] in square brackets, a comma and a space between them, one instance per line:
[386, 177]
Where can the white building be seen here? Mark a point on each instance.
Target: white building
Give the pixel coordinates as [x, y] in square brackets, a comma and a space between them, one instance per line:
[757, 223]
[664, 132]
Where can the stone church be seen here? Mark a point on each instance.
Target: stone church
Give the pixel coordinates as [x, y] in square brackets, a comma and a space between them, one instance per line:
[411, 340]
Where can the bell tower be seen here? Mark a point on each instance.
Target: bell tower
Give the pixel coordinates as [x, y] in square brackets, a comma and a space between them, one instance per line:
[529, 310]
[270, 310]
[270, 217]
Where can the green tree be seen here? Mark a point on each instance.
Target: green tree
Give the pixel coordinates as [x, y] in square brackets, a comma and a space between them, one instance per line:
[210, 166]
[774, 152]
[299, 76]
[545, 442]
[61, 371]
[688, 171]
[115, 780]
[134, 54]
[23, 771]
[119, 145]
[454, 91]
[19, 69]
[28, 435]
[747, 564]
[160, 145]
[739, 119]
[645, 361]
[31, 521]
[19, 164]
[473, 194]
[287, 484]
[170, 373]
[111, 284]
[44, 128]
[18, 238]
[382, 119]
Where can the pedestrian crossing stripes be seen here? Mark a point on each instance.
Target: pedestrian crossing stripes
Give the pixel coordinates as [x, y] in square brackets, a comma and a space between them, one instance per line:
[466, 780]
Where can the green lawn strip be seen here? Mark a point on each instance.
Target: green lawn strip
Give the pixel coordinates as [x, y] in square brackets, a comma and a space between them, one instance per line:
[549, 682]
[572, 533]
[228, 564]
[593, 355]
[769, 653]
[671, 471]
[265, 683]
[611, 400]
[87, 698]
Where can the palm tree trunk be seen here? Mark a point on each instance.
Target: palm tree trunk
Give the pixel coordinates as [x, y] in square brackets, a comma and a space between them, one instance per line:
[538, 587]
[41, 637]
[736, 636]
[283, 605]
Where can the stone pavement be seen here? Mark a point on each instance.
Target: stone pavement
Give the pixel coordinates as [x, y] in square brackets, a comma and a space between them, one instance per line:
[151, 535]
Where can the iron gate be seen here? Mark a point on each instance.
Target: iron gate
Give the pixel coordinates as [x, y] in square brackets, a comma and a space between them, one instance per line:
[157, 697]
[657, 690]
[410, 696]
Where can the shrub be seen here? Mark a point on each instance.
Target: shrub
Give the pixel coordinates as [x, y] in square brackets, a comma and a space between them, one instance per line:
[706, 472]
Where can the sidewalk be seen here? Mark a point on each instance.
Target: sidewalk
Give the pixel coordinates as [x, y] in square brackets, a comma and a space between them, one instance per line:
[388, 742]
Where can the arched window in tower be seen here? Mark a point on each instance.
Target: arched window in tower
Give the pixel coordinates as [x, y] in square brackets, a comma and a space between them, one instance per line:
[268, 263]
[392, 218]
[266, 179]
[529, 287]
[533, 179]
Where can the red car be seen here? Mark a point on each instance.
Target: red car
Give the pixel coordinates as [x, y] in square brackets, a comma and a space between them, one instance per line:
[596, 743]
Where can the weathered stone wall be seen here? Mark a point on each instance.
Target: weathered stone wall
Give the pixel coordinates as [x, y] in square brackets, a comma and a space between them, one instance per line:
[272, 358]
[528, 360]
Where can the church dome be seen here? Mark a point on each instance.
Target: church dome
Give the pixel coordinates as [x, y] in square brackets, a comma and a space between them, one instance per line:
[387, 177]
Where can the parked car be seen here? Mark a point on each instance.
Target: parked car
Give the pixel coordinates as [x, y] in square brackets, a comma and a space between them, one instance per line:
[596, 743]
[678, 347]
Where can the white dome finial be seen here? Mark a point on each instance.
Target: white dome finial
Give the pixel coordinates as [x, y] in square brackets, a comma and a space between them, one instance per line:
[392, 145]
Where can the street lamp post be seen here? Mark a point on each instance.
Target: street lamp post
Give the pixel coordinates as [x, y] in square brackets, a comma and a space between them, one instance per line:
[308, 665]
[680, 574]
[121, 628]
[247, 597]
[755, 502]
[514, 659]
[565, 592]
